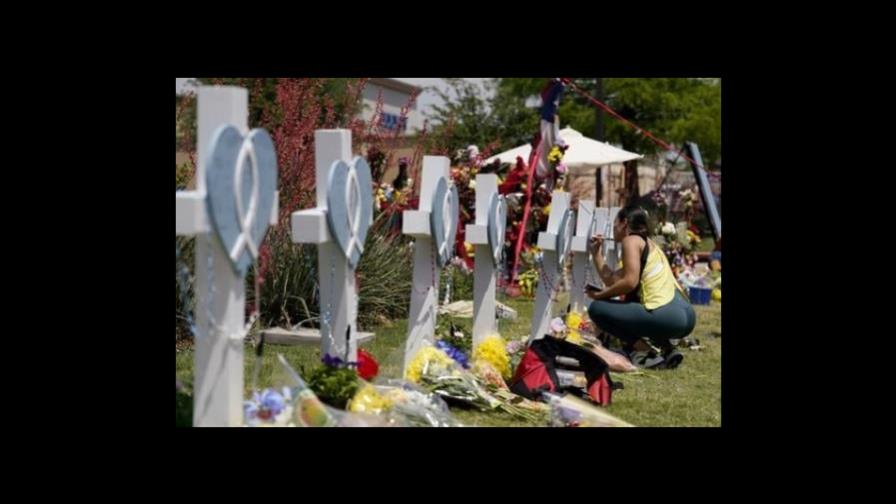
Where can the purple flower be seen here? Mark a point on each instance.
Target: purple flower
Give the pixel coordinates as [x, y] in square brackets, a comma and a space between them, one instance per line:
[272, 401]
[331, 361]
[336, 362]
[454, 353]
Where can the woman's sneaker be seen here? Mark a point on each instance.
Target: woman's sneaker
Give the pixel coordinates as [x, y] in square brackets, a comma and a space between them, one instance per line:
[672, 360]
[646, 359]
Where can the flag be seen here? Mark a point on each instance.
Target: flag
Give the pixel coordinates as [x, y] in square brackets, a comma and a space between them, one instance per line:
[550, 102]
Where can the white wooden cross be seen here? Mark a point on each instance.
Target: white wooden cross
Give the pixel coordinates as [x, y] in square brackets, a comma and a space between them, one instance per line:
[612, 249]
[585, 225]
[602, 222]
[434, 228]
[555, 244]
[487, 237]
[218, 357]
[590, 221]
[338, 225]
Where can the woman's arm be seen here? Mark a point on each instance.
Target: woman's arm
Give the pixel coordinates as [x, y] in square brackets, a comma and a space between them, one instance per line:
[627, 280]
[606, 274]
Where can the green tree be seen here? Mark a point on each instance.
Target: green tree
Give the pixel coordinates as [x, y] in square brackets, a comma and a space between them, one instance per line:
[674, 109]
[468, 117]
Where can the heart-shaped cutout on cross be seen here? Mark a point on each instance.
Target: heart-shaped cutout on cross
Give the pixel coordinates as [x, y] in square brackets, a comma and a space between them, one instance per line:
[497, 226]
[350, 207]
[443, 220]
[241, 182]
[564, 236]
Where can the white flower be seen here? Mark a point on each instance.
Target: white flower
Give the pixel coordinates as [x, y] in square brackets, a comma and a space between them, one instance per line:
[557, 325]
[668, 228]
[472, 184]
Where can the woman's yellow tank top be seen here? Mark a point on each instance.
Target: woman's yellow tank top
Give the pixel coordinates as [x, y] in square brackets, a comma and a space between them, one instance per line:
[658, 284]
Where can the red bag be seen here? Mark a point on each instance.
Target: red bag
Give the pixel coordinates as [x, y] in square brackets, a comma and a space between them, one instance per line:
[537, 371]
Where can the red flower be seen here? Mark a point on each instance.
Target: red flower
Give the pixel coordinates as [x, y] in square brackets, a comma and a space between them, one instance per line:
[367, 366]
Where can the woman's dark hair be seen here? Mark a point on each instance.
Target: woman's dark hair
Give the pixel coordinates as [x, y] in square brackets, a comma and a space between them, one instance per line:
[636, 217]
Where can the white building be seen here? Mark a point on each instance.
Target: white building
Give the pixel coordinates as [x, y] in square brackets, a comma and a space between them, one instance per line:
[395, 95]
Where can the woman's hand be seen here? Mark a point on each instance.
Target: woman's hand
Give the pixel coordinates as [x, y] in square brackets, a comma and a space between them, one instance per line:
[596, 245]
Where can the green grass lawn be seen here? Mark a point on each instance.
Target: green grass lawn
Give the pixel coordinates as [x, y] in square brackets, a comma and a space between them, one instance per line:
[687, 396]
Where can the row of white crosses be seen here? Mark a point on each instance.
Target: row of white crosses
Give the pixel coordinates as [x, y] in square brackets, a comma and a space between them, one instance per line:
[234, 202]
[434, 227]
[236, 199]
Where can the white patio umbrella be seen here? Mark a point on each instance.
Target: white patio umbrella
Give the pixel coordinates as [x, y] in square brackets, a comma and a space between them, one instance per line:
[583, 152]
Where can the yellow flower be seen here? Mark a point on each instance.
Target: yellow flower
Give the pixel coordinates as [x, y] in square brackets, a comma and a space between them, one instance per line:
[527, 282]
[573, 320]
[469, 248]
[427, 355]
[546, 210]
[555, 154]
[717, 295]
[492, 350]
[368, 400]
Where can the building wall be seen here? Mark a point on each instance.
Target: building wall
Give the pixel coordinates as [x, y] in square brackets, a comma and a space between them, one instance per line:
[393, 101]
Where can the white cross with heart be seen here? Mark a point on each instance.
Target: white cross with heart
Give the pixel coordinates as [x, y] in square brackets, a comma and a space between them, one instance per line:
[590, 221]
[338, 225]
[236, 203]
[487, 237]
[434, 228]
[555, 244]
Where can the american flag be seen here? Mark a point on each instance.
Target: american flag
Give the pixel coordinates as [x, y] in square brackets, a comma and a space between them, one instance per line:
[550, 102]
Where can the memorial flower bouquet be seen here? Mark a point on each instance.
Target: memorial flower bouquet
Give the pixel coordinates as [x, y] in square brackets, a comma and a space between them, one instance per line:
[436, 372]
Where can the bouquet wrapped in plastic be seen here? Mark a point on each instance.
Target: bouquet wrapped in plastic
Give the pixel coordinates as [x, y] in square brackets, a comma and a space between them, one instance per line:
[432, 369]
[402, 403]
[570, 411]
[291, 403]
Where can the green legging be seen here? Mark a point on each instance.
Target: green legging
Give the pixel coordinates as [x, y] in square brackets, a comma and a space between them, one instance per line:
[631, 321]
